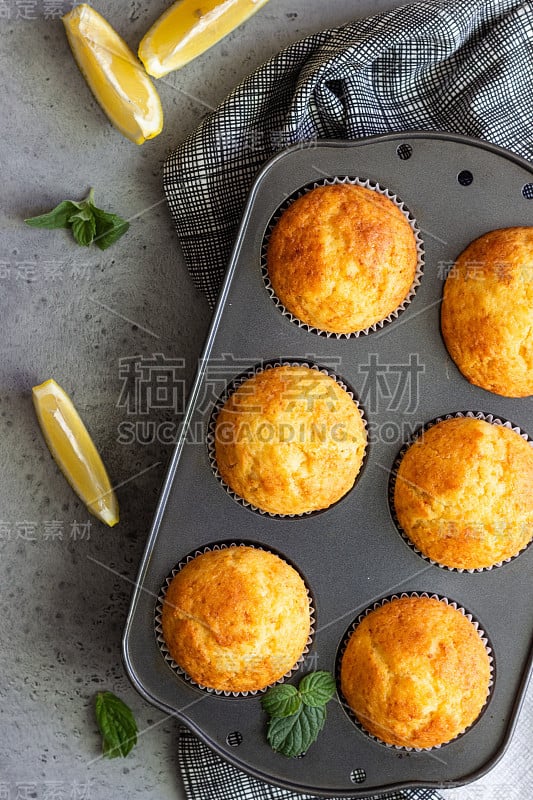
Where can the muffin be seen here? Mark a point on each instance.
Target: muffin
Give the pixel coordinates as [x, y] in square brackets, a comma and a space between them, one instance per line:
[290, 440]
[236, 619]
[342, 258]
[464, 493]
[487, 312]
[415, 672]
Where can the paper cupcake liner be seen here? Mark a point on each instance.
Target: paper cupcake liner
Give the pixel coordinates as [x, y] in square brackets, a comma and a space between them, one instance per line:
[394, 473]
[233, 386]
[367, 184]
[344, 643]
[179, 671]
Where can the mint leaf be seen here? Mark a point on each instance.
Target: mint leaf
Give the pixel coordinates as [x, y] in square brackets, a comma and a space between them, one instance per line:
[293, 735]
[317, 688]
[109, 228]
[83, 227]
[298, 715]
[58, 217]
[116, 723]
[87, 222]
[281, 701]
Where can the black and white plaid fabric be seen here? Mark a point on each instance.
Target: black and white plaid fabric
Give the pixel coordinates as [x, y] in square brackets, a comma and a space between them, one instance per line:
[452, 65]
[207, 777]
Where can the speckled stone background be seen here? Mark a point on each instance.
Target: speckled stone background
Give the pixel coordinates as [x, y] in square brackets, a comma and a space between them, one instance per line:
[77, 315]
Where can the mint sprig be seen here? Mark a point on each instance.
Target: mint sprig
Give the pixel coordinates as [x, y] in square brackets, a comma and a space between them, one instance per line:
[87, 222]
[117, 725]
[297, 715]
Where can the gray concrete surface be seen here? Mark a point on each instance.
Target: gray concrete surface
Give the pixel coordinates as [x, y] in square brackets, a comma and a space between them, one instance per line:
[76, 314]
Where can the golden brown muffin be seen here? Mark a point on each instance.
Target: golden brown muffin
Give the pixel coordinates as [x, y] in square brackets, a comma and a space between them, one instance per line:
[237, 619]
[464, 493]
[342, 258]
[290, 440]
[415, 672]
[487, 312]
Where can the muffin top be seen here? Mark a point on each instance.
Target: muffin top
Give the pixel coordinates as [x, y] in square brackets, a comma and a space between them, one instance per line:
[236, 619]
[487, 312]
[464, 493]
[342, 258]
[290, 440]
[415, 672]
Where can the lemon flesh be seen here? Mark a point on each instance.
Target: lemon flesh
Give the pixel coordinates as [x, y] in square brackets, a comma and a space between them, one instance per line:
[115, 76]
[74, 450]
[188, 28]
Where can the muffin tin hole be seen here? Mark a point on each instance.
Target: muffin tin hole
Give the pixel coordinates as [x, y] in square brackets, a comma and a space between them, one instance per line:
[234, 739]
[527, 191]
[358, 775]
[232, 387]
[365, 183]
[404, 151]
[394, 472]
[465, 177]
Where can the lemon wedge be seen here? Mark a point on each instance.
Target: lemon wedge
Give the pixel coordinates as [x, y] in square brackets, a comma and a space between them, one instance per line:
[74, 450]
[188, 28]
[114, 75]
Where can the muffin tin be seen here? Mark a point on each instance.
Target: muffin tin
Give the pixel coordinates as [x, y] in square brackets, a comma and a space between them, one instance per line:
[351, 555]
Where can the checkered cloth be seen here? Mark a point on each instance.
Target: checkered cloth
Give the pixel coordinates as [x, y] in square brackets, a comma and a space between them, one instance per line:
[207, 777]
[451, 65]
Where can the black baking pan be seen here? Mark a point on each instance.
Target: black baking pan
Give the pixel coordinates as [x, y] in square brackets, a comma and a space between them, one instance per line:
[353, 554]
